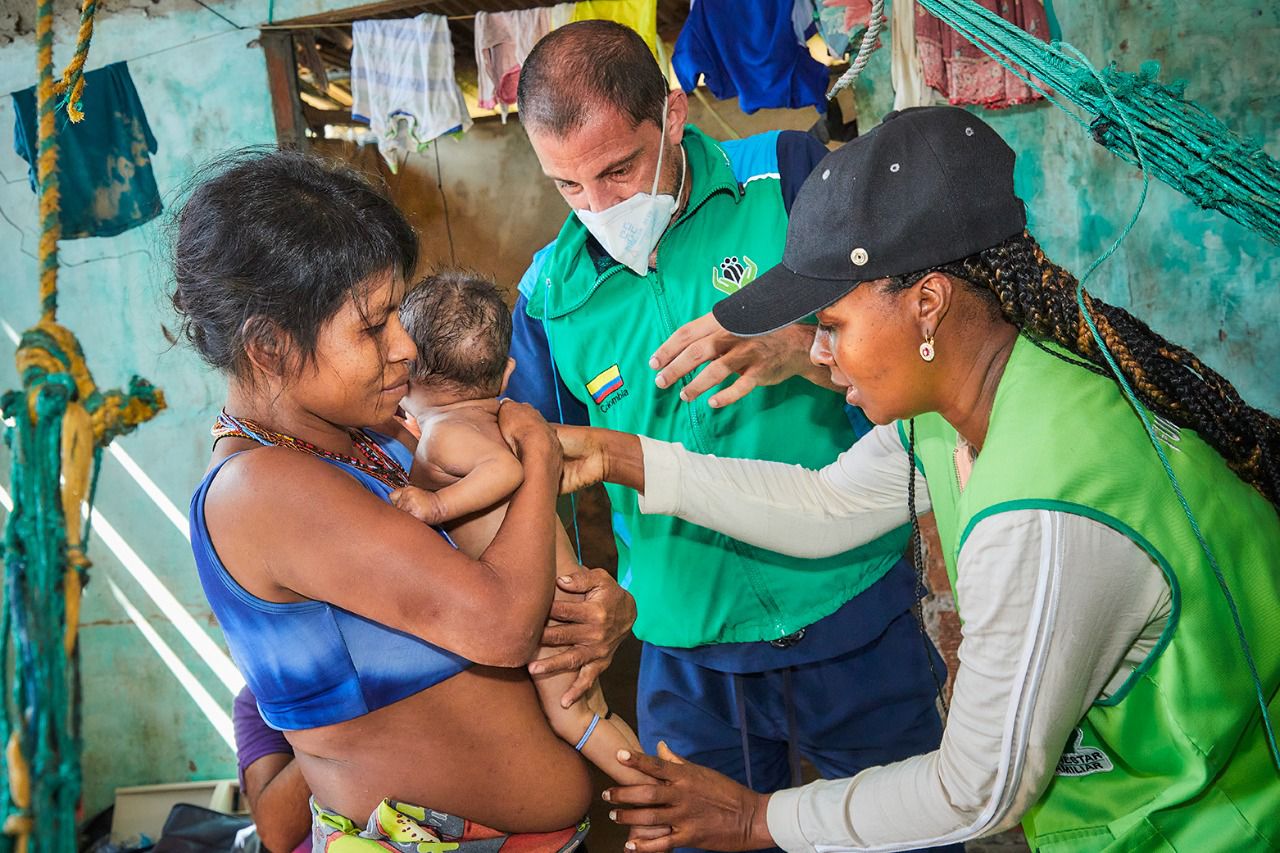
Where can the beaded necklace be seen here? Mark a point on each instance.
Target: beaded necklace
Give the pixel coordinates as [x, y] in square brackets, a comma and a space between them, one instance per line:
[380, 466]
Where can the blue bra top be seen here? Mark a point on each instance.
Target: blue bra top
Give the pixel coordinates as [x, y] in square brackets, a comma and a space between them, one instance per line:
[311, 663]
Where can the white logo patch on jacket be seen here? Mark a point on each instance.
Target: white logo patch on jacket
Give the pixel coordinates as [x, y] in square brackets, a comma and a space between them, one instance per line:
[1079, 760]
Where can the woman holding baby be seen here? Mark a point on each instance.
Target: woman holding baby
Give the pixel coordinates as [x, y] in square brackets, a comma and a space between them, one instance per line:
[393, 662]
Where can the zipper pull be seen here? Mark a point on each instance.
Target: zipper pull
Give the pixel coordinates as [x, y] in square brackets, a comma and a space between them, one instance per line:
[655, 280]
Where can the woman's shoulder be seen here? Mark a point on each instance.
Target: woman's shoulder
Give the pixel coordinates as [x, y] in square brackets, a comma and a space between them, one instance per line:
[271, 509]
[266, 478]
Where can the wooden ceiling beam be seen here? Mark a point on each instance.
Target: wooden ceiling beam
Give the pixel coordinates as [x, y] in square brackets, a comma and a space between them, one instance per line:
[356, 13]
[317, 118]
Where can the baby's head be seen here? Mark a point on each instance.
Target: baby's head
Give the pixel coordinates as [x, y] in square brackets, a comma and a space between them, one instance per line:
[462, 329]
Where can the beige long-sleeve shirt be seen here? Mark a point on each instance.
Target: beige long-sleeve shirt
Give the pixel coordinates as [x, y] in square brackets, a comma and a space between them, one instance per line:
[1058, 611]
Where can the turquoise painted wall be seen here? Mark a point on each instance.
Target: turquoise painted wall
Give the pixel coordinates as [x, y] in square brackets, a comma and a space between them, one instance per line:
[1196, 276]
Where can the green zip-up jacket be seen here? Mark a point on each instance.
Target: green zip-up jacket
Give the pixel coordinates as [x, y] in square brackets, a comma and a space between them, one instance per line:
[602, 322]
[1176, 759]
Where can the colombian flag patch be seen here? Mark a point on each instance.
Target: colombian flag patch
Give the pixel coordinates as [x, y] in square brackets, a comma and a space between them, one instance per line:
[605, 384]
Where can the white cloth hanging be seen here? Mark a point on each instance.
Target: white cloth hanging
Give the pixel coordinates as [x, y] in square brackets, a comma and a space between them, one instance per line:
[403, 84]
[529, 26]
[561, 14]
[905, 70]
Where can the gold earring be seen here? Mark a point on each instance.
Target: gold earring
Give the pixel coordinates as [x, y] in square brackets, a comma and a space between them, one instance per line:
[927, 351]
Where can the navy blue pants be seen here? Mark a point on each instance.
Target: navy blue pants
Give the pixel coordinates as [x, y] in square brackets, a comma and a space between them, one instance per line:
[869, 706]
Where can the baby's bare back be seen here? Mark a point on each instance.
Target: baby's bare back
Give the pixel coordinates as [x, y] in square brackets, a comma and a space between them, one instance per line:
[465, 464]
[457, 444]
[455, 440]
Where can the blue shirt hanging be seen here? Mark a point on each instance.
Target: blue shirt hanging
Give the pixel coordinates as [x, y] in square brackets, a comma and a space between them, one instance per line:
[749, 49]
[105, 181]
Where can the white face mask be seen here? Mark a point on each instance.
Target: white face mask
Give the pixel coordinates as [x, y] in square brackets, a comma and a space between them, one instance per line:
[629, 231]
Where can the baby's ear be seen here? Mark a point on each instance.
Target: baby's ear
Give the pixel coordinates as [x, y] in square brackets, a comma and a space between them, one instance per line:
[506, 375]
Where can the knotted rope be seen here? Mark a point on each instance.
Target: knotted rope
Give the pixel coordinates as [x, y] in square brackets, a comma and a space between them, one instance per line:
[72, 83]
[61, 421]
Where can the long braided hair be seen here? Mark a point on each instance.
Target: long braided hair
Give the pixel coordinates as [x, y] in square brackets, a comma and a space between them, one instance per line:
[1039, 297]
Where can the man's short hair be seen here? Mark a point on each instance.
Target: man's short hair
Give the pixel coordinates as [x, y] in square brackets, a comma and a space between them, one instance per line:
[586, 65]
[462, 329]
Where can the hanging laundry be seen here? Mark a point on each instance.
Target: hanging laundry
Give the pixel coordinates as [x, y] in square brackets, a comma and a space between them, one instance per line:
[748, 49]
[495, 56]
[503, 42]
[804, 17]
[963, 72]
[562, 13]
[529, 26]
[837, 21]
[105, 179]
[905, 71]
[639, 15]
[403, 84]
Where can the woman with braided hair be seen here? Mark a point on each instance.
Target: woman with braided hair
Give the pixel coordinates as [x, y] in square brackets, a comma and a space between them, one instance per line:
[1112, 545]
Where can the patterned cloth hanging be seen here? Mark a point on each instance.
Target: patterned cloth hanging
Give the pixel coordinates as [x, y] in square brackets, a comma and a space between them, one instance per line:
[962, 72]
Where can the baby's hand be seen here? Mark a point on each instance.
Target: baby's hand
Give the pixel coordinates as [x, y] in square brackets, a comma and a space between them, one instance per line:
[421, 504]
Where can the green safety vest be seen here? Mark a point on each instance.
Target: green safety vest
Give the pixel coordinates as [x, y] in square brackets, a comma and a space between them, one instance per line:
[693, 586]
[1176, 758]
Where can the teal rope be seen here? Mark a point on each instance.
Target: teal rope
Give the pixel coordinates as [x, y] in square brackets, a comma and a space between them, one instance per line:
[1145, 417]
[93, 495]
[43, 684]
[1133, 220]
[1183, 144]
[36, 609]
[7, 596]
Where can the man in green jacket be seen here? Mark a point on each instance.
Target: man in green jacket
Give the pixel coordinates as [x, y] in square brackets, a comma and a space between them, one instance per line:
[750, 658]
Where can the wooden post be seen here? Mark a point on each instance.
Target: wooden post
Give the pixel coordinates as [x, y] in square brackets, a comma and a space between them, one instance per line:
[282, 81]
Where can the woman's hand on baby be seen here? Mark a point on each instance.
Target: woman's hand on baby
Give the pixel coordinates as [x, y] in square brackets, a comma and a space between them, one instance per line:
[590, 631]
[421, 504]
[525, 430]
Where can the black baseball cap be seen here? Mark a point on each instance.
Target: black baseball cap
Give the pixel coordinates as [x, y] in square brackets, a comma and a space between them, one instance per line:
[928, 186]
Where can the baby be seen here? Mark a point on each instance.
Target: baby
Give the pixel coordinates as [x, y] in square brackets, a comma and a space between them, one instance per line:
[462, 329]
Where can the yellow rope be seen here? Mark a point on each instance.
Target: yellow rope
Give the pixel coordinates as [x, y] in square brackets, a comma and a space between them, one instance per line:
[53, 476]
[47, 162]
[73, 76]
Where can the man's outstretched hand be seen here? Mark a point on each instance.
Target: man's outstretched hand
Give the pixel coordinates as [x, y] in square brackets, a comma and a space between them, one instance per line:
[763, 360]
